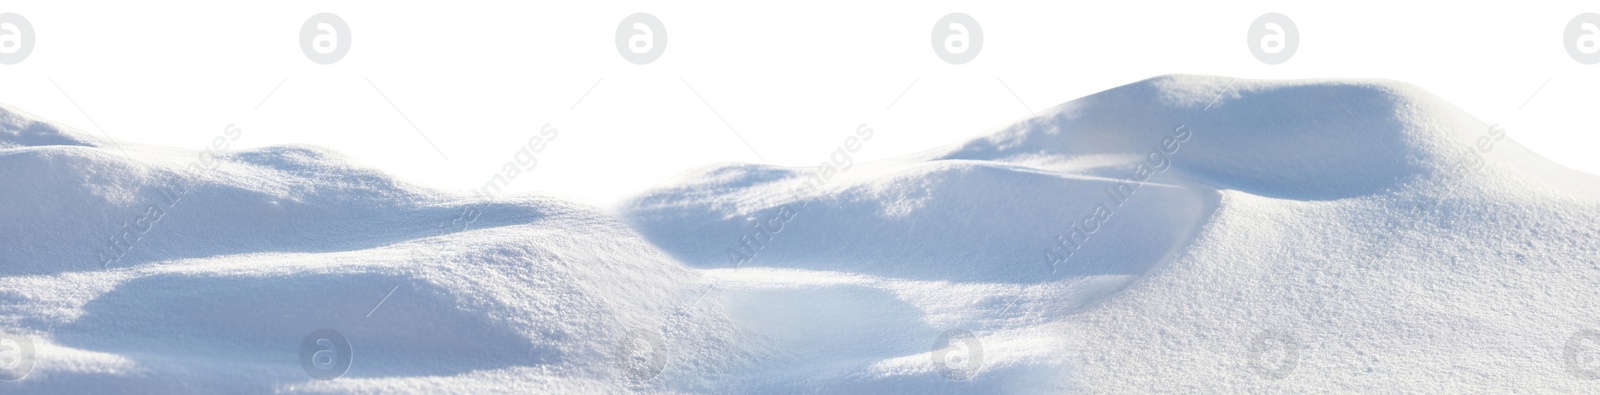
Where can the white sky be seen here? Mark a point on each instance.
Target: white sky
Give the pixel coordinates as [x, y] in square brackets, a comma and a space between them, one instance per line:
[793, 79]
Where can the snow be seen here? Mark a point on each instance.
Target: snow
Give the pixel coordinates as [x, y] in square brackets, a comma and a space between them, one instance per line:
[1178, 234]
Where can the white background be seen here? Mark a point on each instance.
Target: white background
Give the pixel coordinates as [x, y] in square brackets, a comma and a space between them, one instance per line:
[792, 79]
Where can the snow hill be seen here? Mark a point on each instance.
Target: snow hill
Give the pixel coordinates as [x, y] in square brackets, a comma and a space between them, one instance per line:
[1178, 234]
[1225, 235]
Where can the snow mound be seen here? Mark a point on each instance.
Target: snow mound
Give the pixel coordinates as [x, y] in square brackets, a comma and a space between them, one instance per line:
[19, 129]
[950, 220]
[1149, 237]
[1178, 234]
[153, 270]
[1293, 139]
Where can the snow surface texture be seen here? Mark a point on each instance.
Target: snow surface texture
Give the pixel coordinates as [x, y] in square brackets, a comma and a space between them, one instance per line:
[1179, 234]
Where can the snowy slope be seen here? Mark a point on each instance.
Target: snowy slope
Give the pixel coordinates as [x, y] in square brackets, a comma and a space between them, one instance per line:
[1178, 234]
[1292, 236]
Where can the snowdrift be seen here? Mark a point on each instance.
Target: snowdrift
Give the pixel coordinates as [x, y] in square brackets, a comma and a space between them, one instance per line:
[135, 271]
[1178, 234]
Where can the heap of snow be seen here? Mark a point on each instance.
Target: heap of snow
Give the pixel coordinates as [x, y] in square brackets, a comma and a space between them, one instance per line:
[151, 270]
[1177, 234]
